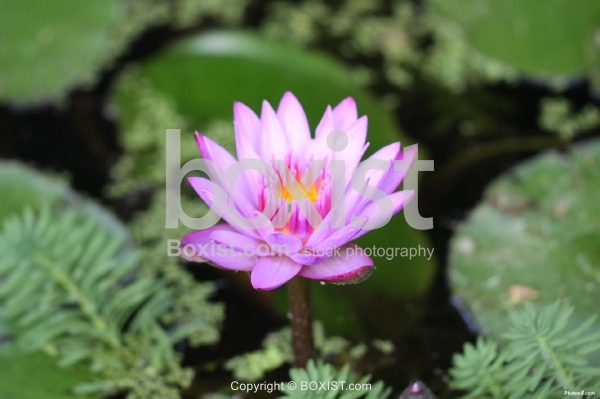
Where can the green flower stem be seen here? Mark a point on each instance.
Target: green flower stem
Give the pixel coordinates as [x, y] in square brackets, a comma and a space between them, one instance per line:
[301, 321]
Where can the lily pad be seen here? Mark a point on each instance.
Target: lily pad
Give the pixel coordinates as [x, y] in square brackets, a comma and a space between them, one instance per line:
[46, 47]
[205, 74]
[24, 187]
[541, 38]
[534, 237]
[36, 376]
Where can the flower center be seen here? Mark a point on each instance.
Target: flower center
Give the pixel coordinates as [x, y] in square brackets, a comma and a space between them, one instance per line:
[312, 194]
[288, 213]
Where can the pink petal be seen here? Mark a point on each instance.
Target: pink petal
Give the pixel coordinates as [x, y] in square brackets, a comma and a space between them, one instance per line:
[262, 225]
[294, 122]
[198, 247]
[220, 205]
[326, 124]
[219, 155]
[275, 145]
[404, 161]
[245, 187]
[233, 239]
[321, 232]
[351, 155]
[350, 266]
[207, 189]
[308, 258]
[288, 244]
[370, 171]
[273, 271]
[219, 201]
[247, 131]
[341, 236]
[372, 211]
[345, 114]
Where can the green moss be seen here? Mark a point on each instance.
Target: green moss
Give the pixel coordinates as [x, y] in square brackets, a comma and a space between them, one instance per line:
[558, 116]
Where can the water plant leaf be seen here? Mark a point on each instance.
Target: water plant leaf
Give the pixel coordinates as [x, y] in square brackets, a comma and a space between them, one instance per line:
[23, 187]
[37, 376]
[544, 357]
[26, 188]
[534, 237]
[542, 39]
[45, 47]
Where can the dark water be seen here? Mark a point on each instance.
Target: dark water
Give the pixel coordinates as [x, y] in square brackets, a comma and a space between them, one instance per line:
[81, 138]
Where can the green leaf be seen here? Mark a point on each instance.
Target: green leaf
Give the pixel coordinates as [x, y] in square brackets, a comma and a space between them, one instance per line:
[22, 187]
[535, 236]
[46, 47]
[540, 38]
[204, 75]
[37, 376]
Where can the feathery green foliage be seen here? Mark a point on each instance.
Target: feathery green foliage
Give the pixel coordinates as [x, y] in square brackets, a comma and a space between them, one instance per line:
[277, 350]
[542, 359]
[143, 137]
[322, 373]
[68, 288]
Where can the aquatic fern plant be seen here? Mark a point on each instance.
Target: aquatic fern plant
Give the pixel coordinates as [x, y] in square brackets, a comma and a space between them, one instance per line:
[69, 287]
[322, 373]
[543, 358]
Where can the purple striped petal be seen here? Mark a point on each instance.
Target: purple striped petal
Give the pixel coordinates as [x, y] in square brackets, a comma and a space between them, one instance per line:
[285, 243]
[273, 271]
[262, 225]
[350, 266]
[403, 161]
[199, 247]
[341, 236]
[237, 241]
[247, 131]
[374, 170]
[219, 155]
[351, 155]
[372, 211]
[207, 189]
[275, 145]
[220, 205]
[326, 124]
[345, 114]
[294, 122]
[307, 258]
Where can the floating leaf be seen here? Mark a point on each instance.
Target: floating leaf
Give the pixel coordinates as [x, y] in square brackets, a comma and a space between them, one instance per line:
[540, 38]
[535, 237]
[46, 47]
[37, 376]
[23, 187]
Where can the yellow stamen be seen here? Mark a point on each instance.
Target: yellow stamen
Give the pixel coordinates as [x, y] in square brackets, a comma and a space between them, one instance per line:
[312, 194]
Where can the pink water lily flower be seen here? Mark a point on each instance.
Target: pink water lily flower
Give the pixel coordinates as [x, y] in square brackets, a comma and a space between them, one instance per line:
[270, 215]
